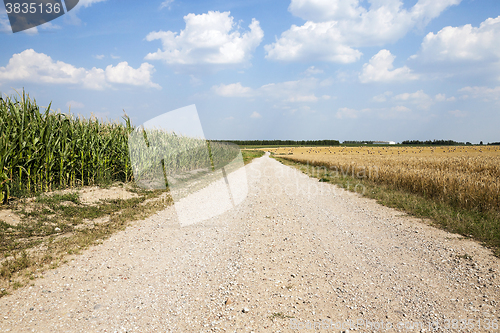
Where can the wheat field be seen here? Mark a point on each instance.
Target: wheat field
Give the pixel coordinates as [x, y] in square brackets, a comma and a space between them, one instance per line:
[463, 176]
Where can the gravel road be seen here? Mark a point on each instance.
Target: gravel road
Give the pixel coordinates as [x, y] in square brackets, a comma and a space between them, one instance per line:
[295, 254]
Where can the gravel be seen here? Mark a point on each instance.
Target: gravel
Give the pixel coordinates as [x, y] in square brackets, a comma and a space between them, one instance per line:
[296, 252]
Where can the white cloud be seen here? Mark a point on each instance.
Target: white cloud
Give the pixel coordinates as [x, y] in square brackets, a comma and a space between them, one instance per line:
[211, 38]
[75, 105]
[418, 98]
[40, 68]
[442, 98]
[166, 4]
[31, 31]
[50, 26]
[99, 56]
[232, 90]
[383, 97]
[255, 115]
[344, 113]
[292, 91]
[463, 43]
[313, 71]
[334, 28]
[312, 41]
[195, 81]
[380, 69]
[288, 92]
[400, 108]
[124, 74]
[485, 93]
[458, 113]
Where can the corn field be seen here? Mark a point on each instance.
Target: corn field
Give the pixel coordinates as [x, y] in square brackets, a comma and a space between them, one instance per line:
[157, 154]
[43, 151]
[465, 176]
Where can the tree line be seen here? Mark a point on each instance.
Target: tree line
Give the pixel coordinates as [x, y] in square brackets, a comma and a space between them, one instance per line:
[283, 142]
[433, 142]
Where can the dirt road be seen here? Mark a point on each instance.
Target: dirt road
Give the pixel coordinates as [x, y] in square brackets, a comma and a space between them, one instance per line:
[295, 254]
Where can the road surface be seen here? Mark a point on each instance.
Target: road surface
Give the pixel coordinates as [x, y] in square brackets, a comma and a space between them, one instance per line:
[296, 254]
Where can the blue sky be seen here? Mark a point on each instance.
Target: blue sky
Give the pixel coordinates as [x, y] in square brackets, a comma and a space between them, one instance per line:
[297, 69]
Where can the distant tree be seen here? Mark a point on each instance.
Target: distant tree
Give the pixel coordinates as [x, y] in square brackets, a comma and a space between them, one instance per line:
[283, 142]
[434, 142]
[481, 143]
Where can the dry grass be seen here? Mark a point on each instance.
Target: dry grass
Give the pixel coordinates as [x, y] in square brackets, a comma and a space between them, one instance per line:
[465, 177]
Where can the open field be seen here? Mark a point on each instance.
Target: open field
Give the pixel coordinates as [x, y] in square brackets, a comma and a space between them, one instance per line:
[466, 178]
[295, 251]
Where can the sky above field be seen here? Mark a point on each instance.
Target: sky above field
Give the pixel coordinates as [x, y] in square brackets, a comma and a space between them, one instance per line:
[259, 69]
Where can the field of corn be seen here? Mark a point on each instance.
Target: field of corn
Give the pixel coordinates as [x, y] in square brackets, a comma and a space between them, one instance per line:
[463, 176]
[42, 150]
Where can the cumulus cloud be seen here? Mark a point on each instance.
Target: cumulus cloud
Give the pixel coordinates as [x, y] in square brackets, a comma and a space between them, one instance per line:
[443, 98]
[463, 43]
[289, 92]
[419, 98]
[232, 90]
[382, 97]
[335, 28]
[41, 68]
[313, 71]
[380, 69]
[484, 93]
[255, 115]
[312, 41]
[211, 38]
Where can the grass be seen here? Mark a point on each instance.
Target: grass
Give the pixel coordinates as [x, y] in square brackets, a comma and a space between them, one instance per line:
[249, 155]
[481, 226]
[55, 225]
[279, 315]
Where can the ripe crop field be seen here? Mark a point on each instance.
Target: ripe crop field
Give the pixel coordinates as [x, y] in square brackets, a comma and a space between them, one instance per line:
[466, 178]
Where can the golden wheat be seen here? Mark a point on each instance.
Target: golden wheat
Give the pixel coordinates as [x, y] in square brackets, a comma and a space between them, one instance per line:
[465, 176]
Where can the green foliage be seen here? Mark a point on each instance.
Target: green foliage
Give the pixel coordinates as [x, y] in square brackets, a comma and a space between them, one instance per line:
[44, 150]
